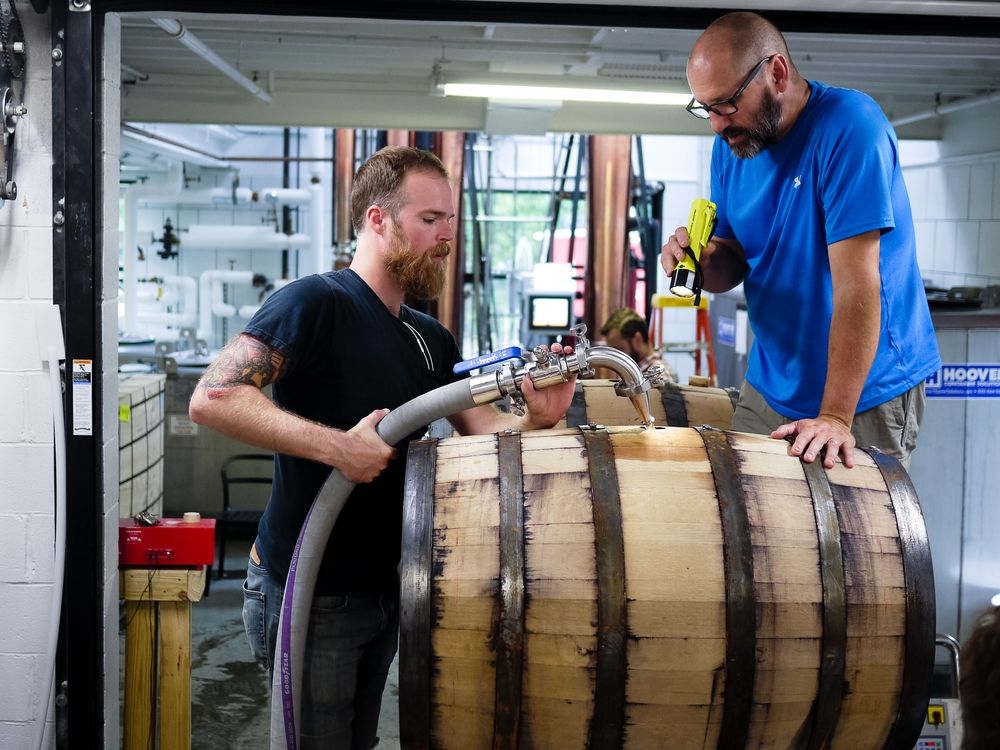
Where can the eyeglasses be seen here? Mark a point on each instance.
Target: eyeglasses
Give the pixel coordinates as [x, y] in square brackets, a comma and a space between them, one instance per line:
[725, 107]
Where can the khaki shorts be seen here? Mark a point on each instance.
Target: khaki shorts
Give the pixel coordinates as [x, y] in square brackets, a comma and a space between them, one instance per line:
[891, 426]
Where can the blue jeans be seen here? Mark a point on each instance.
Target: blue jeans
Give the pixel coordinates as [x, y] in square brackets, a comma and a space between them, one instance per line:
[349, 649]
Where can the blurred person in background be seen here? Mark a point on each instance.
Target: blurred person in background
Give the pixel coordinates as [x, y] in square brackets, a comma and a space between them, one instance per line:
[627, 332]
[979, 686]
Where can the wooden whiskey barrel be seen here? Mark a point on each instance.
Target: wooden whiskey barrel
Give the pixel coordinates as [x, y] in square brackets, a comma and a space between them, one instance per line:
[595, 402]
[670, 588]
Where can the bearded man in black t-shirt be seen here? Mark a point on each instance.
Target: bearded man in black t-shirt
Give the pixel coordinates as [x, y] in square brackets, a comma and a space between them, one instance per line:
[340, 350]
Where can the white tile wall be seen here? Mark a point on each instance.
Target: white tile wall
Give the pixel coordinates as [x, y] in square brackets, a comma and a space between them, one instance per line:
[989, 242]
[956, 212]
[981, 192]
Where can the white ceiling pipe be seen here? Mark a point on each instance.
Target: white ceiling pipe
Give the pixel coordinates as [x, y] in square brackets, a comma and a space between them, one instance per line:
[161, 292]
[188, 299]
[228, 132]
[944, 109]
[240, 237]
[176, 29]
[151, 144]
[204, 197]
[148, 293]
[209, 289]
[239, 196]
[284, 196]
[170, 186]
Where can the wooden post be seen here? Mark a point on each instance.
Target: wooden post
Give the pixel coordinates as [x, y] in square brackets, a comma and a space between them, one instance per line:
[452, 299]
[139, 649]
[175, 674]
[158, 603]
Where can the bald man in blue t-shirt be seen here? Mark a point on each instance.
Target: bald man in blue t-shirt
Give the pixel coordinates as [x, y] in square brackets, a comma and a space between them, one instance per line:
[814, 220]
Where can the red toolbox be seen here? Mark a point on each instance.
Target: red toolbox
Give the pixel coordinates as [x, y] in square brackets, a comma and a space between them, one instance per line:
[170, 542]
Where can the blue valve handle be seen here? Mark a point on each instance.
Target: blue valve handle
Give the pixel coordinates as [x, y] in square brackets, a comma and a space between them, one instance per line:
[501, 355]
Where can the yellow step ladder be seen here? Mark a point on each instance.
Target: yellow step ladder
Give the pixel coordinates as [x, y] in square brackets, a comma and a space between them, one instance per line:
[703, 331]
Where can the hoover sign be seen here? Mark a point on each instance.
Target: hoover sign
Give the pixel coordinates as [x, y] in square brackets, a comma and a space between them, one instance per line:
[965, 381]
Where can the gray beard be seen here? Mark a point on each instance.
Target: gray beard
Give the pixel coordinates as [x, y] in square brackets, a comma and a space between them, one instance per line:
[760, 135]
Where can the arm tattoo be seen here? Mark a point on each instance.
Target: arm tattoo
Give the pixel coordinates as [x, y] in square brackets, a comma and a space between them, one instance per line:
[245, 361]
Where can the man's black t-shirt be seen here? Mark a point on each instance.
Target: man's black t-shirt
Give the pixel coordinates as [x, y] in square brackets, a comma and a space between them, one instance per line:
[347, 355]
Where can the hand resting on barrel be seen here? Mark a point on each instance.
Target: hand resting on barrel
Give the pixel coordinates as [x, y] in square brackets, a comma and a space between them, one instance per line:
[826, 434]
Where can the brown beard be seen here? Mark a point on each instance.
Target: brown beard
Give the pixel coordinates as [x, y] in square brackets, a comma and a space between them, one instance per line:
[419, 274]
[760, 135]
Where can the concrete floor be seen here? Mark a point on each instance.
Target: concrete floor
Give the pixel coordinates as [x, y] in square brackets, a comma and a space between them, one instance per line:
[230, 704]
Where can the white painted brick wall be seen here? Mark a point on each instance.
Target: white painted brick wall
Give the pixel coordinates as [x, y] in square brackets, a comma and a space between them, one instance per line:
[40, 567]
[12, 407]
[19, 670]
[24, 632]
[26, 450]
[28, 486]
[108, 229]
[13, 548]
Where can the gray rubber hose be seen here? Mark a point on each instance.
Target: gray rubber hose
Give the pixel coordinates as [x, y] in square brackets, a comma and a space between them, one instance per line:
[293, 623]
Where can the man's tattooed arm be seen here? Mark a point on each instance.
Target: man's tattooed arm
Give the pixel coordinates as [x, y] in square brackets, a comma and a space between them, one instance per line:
[223, 402]
[244, 361]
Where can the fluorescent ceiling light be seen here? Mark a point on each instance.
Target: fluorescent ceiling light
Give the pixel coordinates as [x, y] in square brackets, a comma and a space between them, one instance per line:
[563, 93]
[554, 88]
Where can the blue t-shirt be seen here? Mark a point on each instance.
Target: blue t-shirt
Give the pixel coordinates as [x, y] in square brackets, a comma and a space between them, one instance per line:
[347, 355]
[833, 176]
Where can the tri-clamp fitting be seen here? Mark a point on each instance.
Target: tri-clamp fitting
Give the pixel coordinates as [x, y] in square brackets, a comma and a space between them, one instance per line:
[546, 369]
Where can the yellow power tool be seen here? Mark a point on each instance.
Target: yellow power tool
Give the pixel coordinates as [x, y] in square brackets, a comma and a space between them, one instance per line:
[687, 280]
